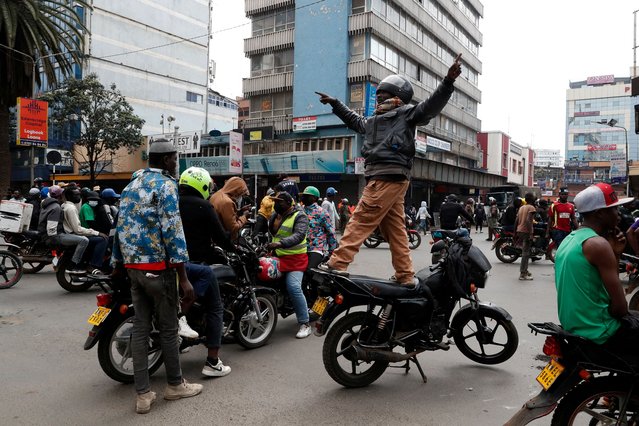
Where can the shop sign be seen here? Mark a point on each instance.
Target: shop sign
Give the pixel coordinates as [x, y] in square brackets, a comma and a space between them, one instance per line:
[32, 120]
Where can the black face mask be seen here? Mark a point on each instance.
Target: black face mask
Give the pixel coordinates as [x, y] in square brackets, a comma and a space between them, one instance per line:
[306, 200]
[75, 198]
[280, 208]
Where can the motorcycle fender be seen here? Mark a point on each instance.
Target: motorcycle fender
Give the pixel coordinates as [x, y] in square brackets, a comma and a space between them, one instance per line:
[544, 402]
[265, 290]
[97, 330]
[466, 310]
[333, 310]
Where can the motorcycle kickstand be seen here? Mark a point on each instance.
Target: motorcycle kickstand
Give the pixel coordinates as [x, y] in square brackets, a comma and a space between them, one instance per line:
[419, 367]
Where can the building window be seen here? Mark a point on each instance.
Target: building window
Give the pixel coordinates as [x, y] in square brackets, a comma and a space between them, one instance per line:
[276, 104]
[358, 6]
[357, 47]
[274, 21]
[194, 97]
[269, 63]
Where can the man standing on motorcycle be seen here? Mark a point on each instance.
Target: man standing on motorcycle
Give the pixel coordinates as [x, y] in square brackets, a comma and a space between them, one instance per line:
[389, 151]
[150, 244]
[203, 230]
[590, 298]
[289, 226]
[561, 218]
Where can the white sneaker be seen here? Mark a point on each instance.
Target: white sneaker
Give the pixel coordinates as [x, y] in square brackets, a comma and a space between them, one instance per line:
[185, 330]
[217, 370]
[304, 331]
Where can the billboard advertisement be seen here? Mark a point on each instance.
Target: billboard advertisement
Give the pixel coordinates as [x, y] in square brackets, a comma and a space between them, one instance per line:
[32, 121]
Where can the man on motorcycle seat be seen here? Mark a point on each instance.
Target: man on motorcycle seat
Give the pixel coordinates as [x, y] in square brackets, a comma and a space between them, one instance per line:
[50, 226]
[590, 298]
[289, 226]
[449, 211]
[97, 240]
[203, 230]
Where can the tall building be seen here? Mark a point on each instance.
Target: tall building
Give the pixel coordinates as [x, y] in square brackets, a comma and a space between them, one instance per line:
[548, 158]
[596, 152]
[345, 48]
[156, 54]
[502, 156]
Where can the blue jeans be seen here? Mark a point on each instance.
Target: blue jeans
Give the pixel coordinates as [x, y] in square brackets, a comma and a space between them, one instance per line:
[71, 240]
[154, 293]
[99, 246]
[294, 289]
[558, 236]
[208, 293]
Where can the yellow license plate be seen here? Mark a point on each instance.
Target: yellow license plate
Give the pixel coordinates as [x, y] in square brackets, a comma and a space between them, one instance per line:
[99, 315]
[549, 374]
[320, 305]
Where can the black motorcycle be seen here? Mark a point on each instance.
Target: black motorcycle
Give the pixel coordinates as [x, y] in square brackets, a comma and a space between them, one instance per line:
[507, 251]
[35, 254]
[250, 317]
[11, 268]
[360, 345]
[583, 383]
[414, 239]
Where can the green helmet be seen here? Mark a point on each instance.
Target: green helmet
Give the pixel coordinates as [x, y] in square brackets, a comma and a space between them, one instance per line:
[311, 190]
[198, 179]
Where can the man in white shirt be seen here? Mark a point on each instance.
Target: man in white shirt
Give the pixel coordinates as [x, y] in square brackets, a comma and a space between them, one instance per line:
[329, 205]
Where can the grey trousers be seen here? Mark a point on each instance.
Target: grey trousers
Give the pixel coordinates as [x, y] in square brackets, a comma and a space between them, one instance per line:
[154, 293]
[70, 240]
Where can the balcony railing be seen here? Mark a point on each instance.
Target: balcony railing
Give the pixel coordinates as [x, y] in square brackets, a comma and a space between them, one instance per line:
[253, 7]
[267, 84]
[269, 42]
[281, 124]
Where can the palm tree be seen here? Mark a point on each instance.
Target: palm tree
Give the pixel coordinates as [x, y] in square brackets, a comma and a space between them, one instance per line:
[47, 33]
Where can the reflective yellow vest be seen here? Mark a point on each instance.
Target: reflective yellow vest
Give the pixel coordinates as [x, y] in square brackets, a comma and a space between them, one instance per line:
[286, 230]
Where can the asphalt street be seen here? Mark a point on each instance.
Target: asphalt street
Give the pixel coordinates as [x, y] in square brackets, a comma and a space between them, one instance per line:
[48, 379]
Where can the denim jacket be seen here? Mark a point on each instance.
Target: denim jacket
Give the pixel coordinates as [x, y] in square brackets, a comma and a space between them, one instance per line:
[149, 227]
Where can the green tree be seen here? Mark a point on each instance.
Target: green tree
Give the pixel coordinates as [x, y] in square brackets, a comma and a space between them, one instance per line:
[46, 34]
[107, 121]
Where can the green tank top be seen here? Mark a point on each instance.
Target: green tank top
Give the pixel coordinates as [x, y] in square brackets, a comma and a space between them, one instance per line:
[582, 299]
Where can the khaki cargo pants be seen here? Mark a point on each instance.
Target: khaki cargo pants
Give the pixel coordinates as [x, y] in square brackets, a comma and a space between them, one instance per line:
[382, 204]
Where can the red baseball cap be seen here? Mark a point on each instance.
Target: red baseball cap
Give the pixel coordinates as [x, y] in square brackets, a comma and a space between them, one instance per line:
[598, 196]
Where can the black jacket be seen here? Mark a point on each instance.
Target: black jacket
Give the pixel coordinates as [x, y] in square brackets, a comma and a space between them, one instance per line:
[202, 227]
[390, 137]
[448, 214]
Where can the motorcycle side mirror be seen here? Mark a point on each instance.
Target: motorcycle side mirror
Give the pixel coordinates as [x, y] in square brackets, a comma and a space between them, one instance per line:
[438, 246]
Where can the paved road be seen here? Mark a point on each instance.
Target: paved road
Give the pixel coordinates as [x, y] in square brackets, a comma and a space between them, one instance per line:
[47, 378]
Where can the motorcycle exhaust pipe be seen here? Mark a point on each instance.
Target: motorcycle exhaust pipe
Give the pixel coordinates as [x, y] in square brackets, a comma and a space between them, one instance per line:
[371, 355]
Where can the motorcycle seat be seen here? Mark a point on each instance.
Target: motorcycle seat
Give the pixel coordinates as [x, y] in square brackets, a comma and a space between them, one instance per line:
[384, 288]
[31, 234]
[223, 271]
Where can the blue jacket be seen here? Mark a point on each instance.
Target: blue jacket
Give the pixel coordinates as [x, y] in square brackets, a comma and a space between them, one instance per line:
[149, 228]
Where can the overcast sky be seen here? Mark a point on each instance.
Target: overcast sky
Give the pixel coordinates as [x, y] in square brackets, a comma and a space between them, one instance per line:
[530, 53]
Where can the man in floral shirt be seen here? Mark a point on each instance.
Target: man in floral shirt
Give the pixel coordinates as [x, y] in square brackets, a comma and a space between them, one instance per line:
[321, 234]
[150, 244]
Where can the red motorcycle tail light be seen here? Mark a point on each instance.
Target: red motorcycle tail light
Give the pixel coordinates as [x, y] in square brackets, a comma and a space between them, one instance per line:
[339, 299]
[123, 309]
[104, 299]
[551, 347]
[585, 374]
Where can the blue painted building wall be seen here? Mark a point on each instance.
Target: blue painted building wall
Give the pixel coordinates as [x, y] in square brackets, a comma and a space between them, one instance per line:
[321, 57]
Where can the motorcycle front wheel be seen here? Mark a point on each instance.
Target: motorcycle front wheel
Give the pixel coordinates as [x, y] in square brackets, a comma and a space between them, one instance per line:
[485, 337]
[414, 239]
[251, 333]
[339, 355]
[502, 251]
[11, 269]
[598, 401]
[114, 351]
[372, 241]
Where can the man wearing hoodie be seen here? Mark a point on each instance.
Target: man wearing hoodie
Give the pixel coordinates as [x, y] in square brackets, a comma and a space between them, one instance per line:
[226, 202]
[423, 216]
[50, 225]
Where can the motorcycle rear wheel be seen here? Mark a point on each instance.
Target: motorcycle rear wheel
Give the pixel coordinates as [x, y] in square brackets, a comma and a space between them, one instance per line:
[372, 242]
[66, 280]
[338, 348]
[27, 266]
[499, 251]
[114, 351]
[597, 401]
[11, 269]
[494, 339]
[251, 333]
[414, 239]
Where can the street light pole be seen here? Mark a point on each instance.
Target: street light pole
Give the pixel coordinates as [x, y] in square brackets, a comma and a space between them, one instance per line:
[613, 123]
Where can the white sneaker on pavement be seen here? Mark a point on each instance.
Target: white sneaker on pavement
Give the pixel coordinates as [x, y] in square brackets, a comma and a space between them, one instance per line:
[185, 330]
[217, 370]
[304, 331]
